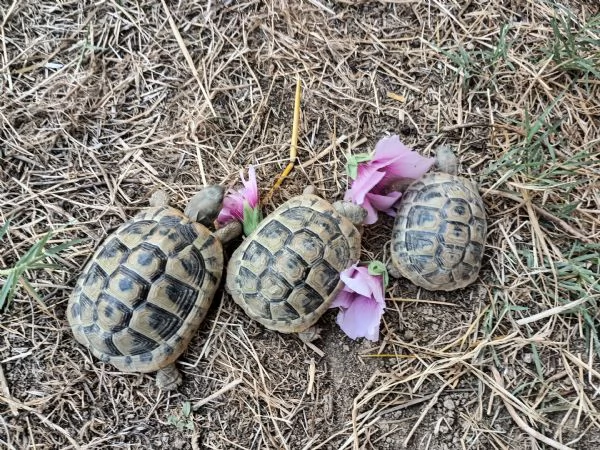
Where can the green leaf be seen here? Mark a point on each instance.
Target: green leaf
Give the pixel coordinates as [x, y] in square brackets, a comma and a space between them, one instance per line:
[33, 259]
[187, 409]
[252, 217]
[60, 247]
[354, 161]
[378, 268]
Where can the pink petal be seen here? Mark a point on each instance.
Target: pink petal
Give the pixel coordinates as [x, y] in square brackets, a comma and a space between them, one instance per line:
[342, 300]
[250, 191]
[225, 217]
[367, 179]
[375, 283]
[362, 318]
[388, 148]
[233, 208]
[391, 161]
[358, 279]
[397, 160]
[233, 203]
[355, 280]
[385, 202]
[407, 165]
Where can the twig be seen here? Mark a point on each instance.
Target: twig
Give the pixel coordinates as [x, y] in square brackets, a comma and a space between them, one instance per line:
[432, 402]
[521, 423]
[322, 6]
[325, 152]
[294, 144]
[311, 376]
[6, 391]
[315, 349]
[187, 56]
[216, 394]
[556, 310]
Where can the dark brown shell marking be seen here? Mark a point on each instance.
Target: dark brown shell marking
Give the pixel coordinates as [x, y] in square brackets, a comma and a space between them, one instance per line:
[287, 272]
[146, 290]
[439, 234]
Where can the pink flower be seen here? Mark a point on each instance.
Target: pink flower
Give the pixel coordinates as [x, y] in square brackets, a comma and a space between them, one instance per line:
[391, 162]
[361, 303]
[243, 204]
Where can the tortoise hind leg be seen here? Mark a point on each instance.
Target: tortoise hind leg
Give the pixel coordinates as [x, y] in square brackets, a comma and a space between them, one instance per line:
[312, 333]
[168, 378]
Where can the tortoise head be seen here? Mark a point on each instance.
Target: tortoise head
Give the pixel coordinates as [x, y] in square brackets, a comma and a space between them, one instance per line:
[446, 160]
[351, 211]
[204, 207]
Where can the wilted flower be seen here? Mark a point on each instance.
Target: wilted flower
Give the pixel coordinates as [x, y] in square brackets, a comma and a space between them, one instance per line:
[243, 204]
[373, 175]
[362, 301]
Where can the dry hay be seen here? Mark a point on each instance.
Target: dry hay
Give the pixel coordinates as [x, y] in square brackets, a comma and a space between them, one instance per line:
[102, 102]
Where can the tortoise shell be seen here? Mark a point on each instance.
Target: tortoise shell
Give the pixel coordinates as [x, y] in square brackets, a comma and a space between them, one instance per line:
[287, 272]
[439, 234]
[146, 290]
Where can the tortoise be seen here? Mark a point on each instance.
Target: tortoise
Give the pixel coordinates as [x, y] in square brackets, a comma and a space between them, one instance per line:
[147, 288]
[439, 233]
[286, 273]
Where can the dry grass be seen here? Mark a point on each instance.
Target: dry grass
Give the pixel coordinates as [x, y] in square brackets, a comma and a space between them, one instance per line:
[102, 102]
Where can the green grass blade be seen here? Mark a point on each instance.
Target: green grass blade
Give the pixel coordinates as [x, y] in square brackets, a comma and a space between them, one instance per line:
[4, 229]
[7, 291]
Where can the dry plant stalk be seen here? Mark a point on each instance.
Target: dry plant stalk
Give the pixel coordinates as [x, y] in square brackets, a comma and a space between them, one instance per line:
[293, 145]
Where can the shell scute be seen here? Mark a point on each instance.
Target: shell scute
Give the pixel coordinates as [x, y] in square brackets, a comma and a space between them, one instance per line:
[288, 262]
[147, 260]
[257, 257]
[112, 315]
[307, 245]
[155, 323]
[190, 267]
[283, 310]
[454, 233]
[128, 286]
[274, 287]
[131, 342]
[101, 340]
[259, 305]
[174, 297]
[323, 277]
[305, 298]
[112, 255]
[274, 235]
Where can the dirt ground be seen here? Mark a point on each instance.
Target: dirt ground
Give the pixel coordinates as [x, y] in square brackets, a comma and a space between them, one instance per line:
[102, 102]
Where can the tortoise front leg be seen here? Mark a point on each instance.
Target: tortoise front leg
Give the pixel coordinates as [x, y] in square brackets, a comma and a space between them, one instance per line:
[168, 378]
[229, 232]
